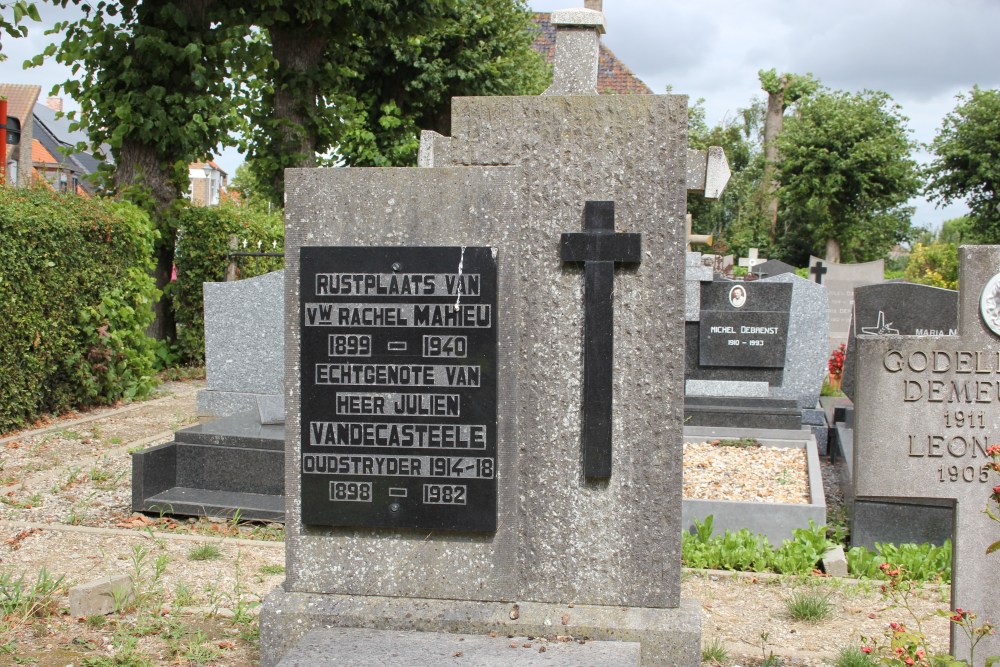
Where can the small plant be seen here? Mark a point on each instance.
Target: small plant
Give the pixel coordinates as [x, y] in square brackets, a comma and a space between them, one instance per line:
[810, 606]
[204, 551]
[737, 442]
[715, 653]
[182, 595]
[272, 569]
[917, 562]
[852, 656]
[768, 657]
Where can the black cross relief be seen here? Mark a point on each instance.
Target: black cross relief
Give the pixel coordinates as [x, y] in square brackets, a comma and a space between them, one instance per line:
[599, 248]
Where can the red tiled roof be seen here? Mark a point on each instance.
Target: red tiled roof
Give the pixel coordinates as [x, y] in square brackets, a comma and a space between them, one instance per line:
[613, 76]
[40, 155]
[21, 100]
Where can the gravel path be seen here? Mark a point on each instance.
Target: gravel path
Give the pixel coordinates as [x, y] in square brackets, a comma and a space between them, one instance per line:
[65, 493]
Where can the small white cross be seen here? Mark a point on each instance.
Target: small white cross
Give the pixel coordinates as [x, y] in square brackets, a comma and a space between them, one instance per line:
[752, 260]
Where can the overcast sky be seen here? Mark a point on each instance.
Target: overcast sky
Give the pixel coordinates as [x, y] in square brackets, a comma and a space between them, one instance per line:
[922, 52]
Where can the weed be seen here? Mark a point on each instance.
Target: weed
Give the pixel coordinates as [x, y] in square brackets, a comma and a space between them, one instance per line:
[99, 476]
[768, 657]
[95, 622]
[809, 606]
[197, 650]
[69, 435]
[115, 441]
[204, 551]
[919, 562]
[145, 577]
[22, 600]
[272, 569]
[183, 597]
[737, 442]
[851, 656]
[715, 653]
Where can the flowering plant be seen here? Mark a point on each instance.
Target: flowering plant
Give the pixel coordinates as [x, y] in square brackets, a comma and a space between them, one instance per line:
[994, 513]
[836, 363]
[905, 647]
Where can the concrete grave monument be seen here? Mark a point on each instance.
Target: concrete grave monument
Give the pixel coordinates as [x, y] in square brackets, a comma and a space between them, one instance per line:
[542, 545]
[840, 281]
[773, 267]
[927, 409]
[893, 309]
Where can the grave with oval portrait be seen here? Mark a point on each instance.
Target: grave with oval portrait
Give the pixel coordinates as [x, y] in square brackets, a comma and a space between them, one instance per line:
[744, 325]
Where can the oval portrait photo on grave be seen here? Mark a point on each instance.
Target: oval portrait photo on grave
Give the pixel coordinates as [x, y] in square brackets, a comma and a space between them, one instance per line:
[738, 296]
[989, 304]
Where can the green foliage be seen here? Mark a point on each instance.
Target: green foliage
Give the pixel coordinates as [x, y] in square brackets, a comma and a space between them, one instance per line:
[202, 247]
[808, 606]
[14, 26]
[737, 442]
[75, 298]
[852, 656]
[846, 172]
[736, 220]
[746, 551]
[793, 87]
[715, 653]
[965, 165]
[358, 81]
[935, 264]
[204, 551]
[919, 562]
[22, 599]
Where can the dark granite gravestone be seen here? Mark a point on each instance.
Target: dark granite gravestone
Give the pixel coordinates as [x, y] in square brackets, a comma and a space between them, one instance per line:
[742, 332]
[773, 267]
[928, 408]
[898, 309]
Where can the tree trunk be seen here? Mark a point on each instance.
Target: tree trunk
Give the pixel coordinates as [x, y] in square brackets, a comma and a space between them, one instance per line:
[298, 53]
[139, 165]
[772, 128]
[833, 251]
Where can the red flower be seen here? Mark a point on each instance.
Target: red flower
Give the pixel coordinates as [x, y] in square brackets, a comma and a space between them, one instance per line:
[993, 450]
[866, 649]
[908, 660]
[996, 493]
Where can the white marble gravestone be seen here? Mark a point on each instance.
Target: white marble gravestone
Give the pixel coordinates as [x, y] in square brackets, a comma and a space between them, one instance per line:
[928, 407]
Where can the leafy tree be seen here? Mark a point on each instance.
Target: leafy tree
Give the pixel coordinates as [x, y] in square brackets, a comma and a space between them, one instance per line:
[736, 220]
[933, 264]
[782, 91]
[152, 85]
[846, 172]
[357, 81]
[14, 26]
[966, 164]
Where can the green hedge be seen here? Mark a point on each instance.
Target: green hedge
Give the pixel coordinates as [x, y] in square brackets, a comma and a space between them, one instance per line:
[75, 301]
[202, 247]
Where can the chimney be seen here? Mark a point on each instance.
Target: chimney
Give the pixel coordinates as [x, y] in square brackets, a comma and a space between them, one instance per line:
[54, 103]
[596, 5]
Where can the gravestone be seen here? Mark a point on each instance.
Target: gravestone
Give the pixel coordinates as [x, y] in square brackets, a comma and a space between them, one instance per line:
[244, 354]
[840, 281]
[773, 267]
[514, 178]
[892, 309]
[927, 408]
[898, 309]
[751, 260]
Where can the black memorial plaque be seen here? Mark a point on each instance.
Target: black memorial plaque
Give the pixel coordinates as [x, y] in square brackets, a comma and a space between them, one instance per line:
[399, 387]
[744, 324]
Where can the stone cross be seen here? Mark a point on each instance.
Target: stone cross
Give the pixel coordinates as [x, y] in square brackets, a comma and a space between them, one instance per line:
[599, 247]
[818, 270]
[752, 260]
[927, 408]
[694, 238]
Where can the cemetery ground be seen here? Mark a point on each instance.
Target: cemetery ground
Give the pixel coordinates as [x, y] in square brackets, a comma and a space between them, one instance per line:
[65, 520]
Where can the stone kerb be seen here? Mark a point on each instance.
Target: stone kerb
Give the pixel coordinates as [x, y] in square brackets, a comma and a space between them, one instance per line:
[927, 408]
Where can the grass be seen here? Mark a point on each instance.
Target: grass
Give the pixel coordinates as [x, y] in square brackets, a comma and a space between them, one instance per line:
[809, 606]
[737, 442]
[715, 653]
[272, 569]
[204, 551]
[851, 656]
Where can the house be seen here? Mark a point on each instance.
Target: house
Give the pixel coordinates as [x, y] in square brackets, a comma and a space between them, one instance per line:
[613, 76]
[45, 150]
[21, 100]
[207, 183]
[56, 158]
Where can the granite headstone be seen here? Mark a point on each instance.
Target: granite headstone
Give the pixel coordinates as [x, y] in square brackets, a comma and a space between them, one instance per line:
[927, 409]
